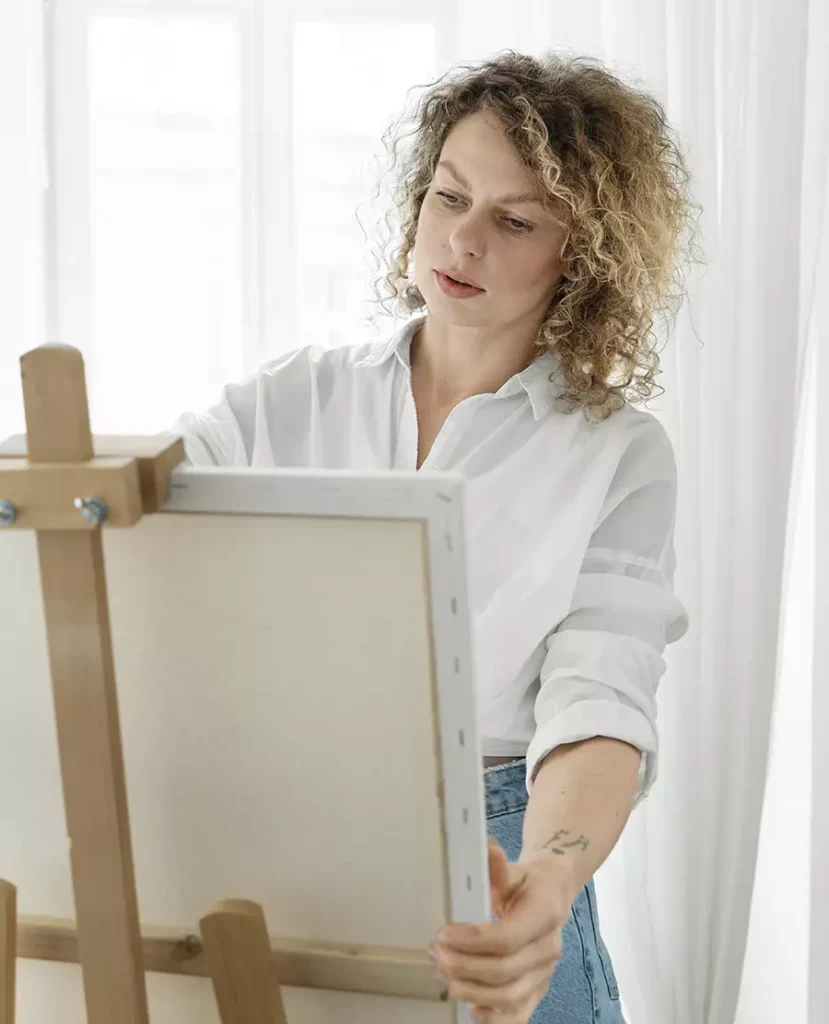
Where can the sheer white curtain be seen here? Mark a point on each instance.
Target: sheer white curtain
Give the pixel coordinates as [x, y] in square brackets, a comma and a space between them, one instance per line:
[743, 82]
[740, 83]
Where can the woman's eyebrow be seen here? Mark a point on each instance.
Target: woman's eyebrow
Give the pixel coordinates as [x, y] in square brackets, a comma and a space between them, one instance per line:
[522, 197]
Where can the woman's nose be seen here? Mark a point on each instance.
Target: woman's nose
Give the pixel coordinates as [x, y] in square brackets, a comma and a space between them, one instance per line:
[468, 236]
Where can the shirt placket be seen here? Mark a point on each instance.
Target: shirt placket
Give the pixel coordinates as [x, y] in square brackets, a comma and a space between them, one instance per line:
[405, 456]
[446, 443]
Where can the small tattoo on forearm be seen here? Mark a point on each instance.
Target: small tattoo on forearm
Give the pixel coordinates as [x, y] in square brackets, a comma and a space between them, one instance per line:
[556, 844]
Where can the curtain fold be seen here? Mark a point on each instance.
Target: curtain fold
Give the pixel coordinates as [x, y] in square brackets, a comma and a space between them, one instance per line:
[818, 949]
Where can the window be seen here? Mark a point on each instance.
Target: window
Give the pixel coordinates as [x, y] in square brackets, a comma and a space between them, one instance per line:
[339, 118]
[213, 179]
[165, 211]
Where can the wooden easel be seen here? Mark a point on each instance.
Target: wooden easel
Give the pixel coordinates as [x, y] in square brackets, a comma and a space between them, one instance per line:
[61, 482]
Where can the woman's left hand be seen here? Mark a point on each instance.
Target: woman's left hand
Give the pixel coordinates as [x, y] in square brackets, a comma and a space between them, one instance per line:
[503, 968]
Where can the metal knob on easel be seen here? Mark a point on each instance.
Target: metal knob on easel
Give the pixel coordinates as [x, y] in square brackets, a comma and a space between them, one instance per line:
[8, 513]
[94, 510]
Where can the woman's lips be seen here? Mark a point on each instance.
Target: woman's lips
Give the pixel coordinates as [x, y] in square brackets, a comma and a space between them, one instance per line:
[454, 289]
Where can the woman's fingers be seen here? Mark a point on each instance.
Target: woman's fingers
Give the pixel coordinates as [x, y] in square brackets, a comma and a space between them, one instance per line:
[502, 970]
[505, 998]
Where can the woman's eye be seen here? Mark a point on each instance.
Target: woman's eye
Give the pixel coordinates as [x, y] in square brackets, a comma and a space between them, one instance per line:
[519, 226]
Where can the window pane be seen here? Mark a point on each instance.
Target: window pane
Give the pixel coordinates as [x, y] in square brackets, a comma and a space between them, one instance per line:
[350, 80]
[165, 200]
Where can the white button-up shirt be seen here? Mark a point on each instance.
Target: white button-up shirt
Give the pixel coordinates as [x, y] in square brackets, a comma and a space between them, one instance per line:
[569, 528]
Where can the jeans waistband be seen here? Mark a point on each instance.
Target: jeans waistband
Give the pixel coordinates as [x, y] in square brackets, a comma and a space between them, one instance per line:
[505, 787]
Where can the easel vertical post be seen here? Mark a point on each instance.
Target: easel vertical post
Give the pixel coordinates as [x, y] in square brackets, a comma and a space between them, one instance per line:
[8, 950]
[86, 706]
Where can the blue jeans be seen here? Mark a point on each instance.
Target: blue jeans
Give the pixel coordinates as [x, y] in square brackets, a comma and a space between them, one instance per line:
[583, 989]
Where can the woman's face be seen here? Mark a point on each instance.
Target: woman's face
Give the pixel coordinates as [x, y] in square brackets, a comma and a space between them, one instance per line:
[478, 219]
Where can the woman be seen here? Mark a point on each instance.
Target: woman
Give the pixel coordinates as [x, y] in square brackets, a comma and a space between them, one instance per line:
[543, 215]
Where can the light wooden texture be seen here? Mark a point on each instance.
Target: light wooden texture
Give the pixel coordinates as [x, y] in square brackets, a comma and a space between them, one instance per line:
[156, 457]
[8, 947]
[86, 708]
[301, 963]
[238, 951]
[44, 493]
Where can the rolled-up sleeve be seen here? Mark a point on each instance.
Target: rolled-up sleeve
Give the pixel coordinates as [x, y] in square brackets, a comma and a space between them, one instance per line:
[236, 430]
[604, 660]
[217, 436]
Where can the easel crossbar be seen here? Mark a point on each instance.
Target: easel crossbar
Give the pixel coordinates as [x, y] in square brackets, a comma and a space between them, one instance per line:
[378, 970]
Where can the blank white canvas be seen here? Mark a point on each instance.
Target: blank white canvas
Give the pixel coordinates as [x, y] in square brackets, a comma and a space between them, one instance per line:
[295, 686]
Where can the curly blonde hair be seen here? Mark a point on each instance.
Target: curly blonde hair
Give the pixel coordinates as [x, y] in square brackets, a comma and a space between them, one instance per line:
[606, 151]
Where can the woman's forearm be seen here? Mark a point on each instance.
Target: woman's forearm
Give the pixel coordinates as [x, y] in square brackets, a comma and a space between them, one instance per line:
[579, 803]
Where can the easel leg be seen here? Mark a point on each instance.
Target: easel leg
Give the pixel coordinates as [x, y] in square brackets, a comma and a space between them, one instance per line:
[8, 950]
[238, 951]
[76, 614]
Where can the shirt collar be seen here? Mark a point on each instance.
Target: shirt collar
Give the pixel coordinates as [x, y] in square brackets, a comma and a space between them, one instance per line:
[534, 379]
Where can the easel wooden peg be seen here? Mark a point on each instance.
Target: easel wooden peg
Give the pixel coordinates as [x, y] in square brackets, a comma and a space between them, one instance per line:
[239, 958]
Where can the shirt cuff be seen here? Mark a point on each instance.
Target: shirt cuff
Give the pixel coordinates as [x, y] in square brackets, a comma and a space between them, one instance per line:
[589, 718]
